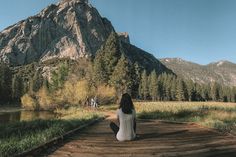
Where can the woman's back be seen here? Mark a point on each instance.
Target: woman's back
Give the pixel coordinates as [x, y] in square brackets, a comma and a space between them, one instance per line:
[126, 130]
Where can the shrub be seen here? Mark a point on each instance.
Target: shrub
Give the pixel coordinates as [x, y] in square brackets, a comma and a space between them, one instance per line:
[44, 99]
[75, 92]
[82, 91]
[28, 102]
[106, 94]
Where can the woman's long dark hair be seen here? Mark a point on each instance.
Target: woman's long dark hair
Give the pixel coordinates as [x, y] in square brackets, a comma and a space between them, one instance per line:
[126, 104]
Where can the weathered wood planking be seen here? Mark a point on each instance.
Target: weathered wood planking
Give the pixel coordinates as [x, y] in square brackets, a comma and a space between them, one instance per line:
[156, 138]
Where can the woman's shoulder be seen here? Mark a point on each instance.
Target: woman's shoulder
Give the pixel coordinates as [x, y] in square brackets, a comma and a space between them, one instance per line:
[118, 110]
[133, 111]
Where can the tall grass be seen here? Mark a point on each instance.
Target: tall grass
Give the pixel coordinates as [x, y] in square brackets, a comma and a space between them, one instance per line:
[21, 136]
[221, 116]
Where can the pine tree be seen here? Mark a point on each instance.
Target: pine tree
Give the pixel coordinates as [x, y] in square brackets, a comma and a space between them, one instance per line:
[198, 89]
[143, 88]
[161, 88]
[121, 78]
[205, 92]
[58, 77]
[234, 94]
[153, 86]
[100, 74]
[106, 59]
[226, 94]
[164, 86]
[168, 88]
[136, 77]
[215, 92]
[191, 90]
[181, 91]
[173, 89]
[5, 82]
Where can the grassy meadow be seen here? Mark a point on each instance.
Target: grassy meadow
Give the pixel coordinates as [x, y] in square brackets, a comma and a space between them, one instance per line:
[21, 136]
[18, 137]
[217, 115]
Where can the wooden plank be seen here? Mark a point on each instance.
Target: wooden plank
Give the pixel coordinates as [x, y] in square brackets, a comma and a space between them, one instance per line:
[156, 138]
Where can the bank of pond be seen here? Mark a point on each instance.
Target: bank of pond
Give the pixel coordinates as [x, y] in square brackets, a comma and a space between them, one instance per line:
[17, 114]
[22, 130]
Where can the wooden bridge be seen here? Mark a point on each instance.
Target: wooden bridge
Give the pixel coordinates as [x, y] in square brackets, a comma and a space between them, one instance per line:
[155, 138]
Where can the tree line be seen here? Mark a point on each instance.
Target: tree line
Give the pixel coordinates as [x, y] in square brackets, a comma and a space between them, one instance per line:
[171, 88]
[13, 86]
[111, 67]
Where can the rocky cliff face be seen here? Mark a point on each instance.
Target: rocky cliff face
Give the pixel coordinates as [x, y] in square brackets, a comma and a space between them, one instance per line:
[124, 36]
[71, 28]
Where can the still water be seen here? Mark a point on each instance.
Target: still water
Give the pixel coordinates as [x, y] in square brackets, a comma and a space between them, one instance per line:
[14, 114]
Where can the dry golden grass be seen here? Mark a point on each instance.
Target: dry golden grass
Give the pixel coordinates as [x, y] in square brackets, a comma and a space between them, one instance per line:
[218, 115]
[77, 113]
[177, 106]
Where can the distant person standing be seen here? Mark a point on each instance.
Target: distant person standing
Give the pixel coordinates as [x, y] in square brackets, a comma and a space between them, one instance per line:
[95, 102]
[92, 102]
[126, 117]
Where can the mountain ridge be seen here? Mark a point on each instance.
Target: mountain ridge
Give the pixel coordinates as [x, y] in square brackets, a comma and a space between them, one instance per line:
[185, 60]
[69, 29]
[222, 71]
[57, 29]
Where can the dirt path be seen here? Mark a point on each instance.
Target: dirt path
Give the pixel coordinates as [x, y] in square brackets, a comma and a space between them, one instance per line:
[156, 138]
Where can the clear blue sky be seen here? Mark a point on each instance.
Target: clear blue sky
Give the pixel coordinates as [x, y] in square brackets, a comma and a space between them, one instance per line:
[202, 31]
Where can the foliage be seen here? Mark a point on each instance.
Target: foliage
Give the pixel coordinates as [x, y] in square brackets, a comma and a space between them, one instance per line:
[106, 94]
[153, 86]
[215, 91]
[181, 91]
[5, 82]
[167, 87]
[106, 59]
[116, 69]
[17, 87]
[121, 78]
[76, 92]
[28, 102]
[44, 99]
[35, 82]
[143, 87]
[59, 76]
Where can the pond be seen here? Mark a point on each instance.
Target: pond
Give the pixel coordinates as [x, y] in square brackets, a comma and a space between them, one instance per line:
[14, 114]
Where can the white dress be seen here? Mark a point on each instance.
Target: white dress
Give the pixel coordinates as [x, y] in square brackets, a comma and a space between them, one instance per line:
[126, 129]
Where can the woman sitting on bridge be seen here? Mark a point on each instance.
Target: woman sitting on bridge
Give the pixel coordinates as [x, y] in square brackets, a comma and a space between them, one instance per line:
[126, 117]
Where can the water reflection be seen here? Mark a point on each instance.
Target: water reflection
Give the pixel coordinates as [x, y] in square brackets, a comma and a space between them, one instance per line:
[7, 117]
